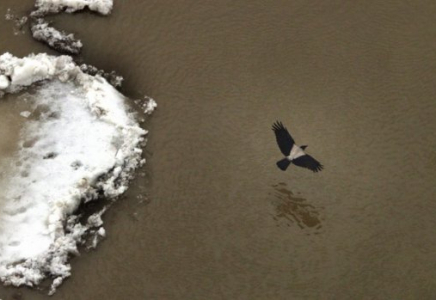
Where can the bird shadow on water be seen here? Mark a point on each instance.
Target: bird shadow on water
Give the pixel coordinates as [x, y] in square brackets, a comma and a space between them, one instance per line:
[293, 210]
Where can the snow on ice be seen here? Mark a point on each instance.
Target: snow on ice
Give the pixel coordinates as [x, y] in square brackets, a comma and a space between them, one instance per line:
[80, 141]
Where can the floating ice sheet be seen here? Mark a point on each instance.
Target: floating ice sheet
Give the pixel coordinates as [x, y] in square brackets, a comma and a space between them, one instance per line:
[80, 141]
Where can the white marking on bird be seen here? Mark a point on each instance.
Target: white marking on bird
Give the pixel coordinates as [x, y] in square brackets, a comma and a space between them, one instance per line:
[296, 152]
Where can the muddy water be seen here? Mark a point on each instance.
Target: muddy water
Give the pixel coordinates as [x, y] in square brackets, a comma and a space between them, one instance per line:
[12, 121]
[210, 216]
[12, 118]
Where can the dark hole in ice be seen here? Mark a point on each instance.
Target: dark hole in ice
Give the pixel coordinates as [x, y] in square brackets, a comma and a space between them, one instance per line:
[76, 164]
[50, 155]
[54, 115]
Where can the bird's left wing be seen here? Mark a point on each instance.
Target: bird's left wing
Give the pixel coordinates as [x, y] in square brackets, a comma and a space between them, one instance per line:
[307, 161]
[284, 139]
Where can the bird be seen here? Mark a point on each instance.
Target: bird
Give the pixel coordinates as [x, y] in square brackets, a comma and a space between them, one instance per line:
[293, 153]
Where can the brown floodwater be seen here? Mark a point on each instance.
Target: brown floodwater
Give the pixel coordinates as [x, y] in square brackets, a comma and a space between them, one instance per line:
[210, 216]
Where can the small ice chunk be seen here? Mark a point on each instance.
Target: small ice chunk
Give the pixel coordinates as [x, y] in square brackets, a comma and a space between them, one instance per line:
[4, 82]
[102, 232]
[103, 7]
[56, 39]
[150, 106]
[95, 220]
[112, 77]
[25, 114]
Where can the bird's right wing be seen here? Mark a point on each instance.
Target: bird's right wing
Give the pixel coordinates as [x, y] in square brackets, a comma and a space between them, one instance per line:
[284, 139]
[307, 161]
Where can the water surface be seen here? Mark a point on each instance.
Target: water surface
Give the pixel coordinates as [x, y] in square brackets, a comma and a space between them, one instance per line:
[354, 81]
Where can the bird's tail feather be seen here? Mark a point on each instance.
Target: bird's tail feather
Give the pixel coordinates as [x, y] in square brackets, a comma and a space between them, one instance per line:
[283, 164]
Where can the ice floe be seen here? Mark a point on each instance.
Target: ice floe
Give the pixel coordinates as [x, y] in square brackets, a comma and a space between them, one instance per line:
[44, 7]
[56, 39]
[81, 141]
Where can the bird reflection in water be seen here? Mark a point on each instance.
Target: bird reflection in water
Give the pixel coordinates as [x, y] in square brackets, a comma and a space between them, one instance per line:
[294, 210]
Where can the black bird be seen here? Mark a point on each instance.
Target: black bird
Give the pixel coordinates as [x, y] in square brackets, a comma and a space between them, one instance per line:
[294, 154]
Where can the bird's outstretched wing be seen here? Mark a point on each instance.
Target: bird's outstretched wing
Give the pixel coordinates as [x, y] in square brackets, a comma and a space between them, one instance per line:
[307, 161]
[284, 139]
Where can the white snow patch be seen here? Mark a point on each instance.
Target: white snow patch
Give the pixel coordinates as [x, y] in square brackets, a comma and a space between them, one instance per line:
[4, 82]
[79, 141]
[25, 113]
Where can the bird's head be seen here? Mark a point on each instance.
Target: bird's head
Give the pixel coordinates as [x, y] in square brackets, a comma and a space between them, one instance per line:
[303, 147]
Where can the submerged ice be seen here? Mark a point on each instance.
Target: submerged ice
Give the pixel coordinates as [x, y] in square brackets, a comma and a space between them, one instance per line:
[80, 142]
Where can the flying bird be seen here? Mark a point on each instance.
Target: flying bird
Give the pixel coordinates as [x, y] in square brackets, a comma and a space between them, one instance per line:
[293, 153]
